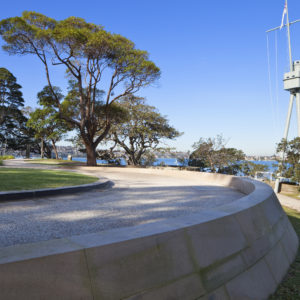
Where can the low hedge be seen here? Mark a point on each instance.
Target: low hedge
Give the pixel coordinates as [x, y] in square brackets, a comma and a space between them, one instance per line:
[3, 157]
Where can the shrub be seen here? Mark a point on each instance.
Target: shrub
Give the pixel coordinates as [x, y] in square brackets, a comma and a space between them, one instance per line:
[3, 157]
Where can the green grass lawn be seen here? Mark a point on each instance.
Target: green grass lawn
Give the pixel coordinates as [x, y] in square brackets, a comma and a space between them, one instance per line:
[55, 162]
[12, 179]
[289, 289]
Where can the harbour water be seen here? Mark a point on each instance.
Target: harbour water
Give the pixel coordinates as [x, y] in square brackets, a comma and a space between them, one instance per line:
[271, 164]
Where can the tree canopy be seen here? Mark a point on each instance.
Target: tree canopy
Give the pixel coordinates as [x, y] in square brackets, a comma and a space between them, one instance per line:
[249, 168]
[12, 121]
[142, 129]
[211, 155]
[46, 122]
[290, 166]
[89, 54]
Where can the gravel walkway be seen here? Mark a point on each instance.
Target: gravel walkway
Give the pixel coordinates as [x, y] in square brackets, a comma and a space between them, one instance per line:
[289, 202]
[135, 199]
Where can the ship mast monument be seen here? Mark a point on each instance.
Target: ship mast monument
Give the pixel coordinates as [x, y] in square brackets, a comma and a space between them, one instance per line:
[291, 79]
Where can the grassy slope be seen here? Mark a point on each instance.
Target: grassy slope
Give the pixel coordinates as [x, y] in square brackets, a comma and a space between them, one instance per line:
[27, 179]
[289, 289]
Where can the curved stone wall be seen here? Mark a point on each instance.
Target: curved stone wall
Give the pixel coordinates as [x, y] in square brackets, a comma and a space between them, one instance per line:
[240, 250]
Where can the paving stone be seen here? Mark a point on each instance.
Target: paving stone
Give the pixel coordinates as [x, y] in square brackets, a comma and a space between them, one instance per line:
[188, 288]
[61, 277]
[277, 262]
[253, 223]
[257, 283]
[216, 276]
[123, 269]
[219, 294]
[290, 244]
[264, 244]
[213, 241]
[272, 209]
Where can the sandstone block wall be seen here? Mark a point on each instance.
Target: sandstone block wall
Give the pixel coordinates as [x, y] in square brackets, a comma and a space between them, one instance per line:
[237, 251]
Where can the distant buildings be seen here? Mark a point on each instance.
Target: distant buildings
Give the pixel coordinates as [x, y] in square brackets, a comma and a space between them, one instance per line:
[261, 157]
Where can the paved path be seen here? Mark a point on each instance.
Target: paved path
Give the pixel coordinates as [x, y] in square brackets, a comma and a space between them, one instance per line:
[136, 198]
[289, 202]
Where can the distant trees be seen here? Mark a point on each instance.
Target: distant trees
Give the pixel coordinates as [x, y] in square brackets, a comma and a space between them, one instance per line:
[211, 155]
[45, 121]
[249, 168]
[88, 53]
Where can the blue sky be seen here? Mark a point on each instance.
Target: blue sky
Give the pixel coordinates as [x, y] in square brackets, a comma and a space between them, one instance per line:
[213, 58]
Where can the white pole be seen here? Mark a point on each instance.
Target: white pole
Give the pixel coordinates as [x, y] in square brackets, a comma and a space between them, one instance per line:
[298, 111]
[285, 135]
[289, 36]
[288, 118]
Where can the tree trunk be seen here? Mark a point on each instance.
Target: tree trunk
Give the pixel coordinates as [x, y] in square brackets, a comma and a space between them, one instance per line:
[55, 149]
[27, 155]
[132, 160]
[47, 150]
[91, 155]
[42, 149]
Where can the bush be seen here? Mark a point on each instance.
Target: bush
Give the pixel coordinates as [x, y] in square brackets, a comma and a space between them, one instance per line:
[3, 157]
[1, 162]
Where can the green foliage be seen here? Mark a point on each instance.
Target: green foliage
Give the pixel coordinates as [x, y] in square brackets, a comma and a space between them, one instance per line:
[14, 134]
[182, 161]
[12, 121]
[10, 94]
[212, 155]
[290, 166]
[4, 157]
[88, 53]
[149, 158]
[140, 128]
[46, 121]
[249, 168]
[45, 124]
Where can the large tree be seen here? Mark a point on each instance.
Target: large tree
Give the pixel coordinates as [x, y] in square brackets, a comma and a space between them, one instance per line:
[212, 155]
[12, 121]
[89, 54]
[142, 129]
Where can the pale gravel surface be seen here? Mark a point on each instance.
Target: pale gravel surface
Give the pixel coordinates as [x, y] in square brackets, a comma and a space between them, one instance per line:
[289, 202]
[135, 199]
